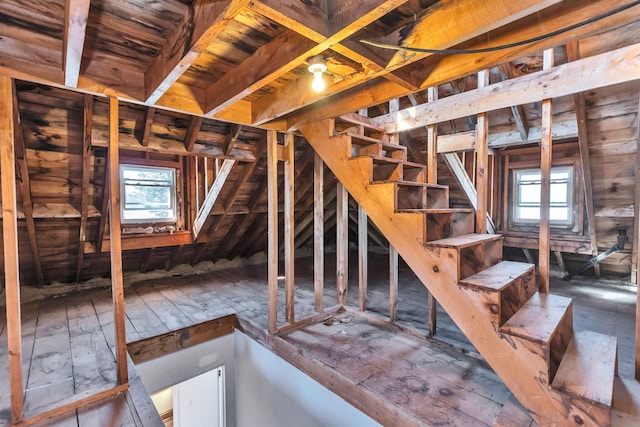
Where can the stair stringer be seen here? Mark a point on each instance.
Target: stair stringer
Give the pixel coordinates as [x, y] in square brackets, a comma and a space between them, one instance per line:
[519, 363]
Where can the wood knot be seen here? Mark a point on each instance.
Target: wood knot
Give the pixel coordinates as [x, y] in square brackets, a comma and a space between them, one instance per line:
[578, 420]
[494, 309]
[435, 268]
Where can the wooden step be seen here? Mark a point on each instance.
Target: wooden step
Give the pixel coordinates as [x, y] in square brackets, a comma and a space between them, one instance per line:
[547, 320]
[461, 242]
[355, 123]
[418, 195]
[588, 367]
[506, 287]
[389, 169]
[361, 145]
[471, 253]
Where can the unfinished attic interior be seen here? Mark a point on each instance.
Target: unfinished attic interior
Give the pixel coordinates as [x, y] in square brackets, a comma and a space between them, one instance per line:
[331, 213]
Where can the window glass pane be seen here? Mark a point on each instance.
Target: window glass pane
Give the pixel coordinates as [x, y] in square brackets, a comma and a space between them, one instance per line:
[525, 213]
[148, 194]
[559, 193]
[530, 194]
[527, 195]
[559, 214]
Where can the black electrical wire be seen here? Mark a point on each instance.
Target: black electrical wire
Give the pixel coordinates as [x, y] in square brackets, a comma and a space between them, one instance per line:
[504, 46]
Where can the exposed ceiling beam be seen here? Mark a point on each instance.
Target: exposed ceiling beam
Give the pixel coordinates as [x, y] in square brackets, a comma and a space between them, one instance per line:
[294, 96]
[201, 25]
[438, 69]
[75, 26]
[267, 64]
[458, 21]
[617, 66]
[563, 128]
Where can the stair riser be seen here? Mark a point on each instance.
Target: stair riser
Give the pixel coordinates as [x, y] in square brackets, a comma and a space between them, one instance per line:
[515, 295]
[391, 172]
[443, 225]
[500, 305]
[468, 261]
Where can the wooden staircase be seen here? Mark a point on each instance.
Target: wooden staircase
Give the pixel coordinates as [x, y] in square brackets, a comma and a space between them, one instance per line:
[564, 378]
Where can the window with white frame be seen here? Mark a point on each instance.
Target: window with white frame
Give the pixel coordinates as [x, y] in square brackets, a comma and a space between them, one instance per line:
[527, 195]
[148, 194]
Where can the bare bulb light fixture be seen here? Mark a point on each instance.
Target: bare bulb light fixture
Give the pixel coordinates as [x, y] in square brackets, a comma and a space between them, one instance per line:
[317, 67]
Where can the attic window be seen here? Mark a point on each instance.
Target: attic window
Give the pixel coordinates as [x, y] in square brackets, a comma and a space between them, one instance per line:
[148, 194]
[526, 196]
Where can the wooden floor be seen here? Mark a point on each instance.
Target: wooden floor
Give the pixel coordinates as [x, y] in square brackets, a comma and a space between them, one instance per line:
[67, 342]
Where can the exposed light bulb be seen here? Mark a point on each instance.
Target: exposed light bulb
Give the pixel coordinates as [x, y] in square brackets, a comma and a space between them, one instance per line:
[318, 82]
[317, 67]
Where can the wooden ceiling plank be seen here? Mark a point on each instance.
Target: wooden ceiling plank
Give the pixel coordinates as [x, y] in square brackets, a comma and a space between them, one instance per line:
[464, 21]
[192, 133]
[201, 26]
[306, 18]
[267, 64]
[439, 69]
[573, 54]
[617, 66]
[22, 176]
[75, 27]
[517, 111]
[146, 130]
[86, 181]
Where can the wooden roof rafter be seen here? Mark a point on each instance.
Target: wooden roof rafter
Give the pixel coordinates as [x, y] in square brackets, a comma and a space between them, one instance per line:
[439, 69]
[200, 26]
[283, 100]
[22, 175]
[75, 27]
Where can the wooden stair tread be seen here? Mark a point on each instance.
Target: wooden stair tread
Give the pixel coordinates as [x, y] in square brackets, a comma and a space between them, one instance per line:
[378, 160]
[464, 241]
[358, 120]
[588, 367]
[438, 211]
[358, 139]
[402, 182]
[538, 318]
[498, 276]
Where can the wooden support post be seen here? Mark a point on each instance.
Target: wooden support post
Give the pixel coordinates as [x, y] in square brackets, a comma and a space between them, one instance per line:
[560, 260]
[117, 281]
[482, 165]
[362, 258]
[394, 106]
[289, 227]
[86, 182]
[393, 283]
[318, 231]
[573, 54]
[272, 228]
[342, 243]
[432, 142]
[637, 237]
[10, 244]
[545, 184]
